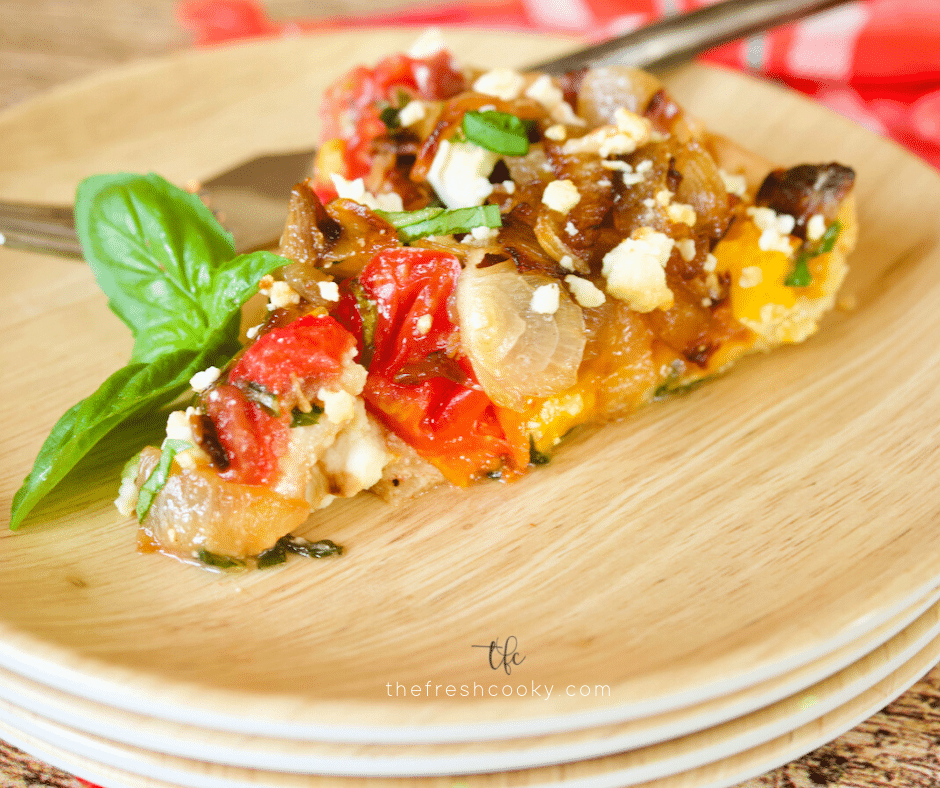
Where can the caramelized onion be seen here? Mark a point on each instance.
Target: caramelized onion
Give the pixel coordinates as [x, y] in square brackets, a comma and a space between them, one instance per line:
[703, 188]
[605, 89]
[515, 351]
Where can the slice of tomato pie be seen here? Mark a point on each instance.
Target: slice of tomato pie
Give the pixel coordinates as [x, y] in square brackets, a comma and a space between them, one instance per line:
[483, 261]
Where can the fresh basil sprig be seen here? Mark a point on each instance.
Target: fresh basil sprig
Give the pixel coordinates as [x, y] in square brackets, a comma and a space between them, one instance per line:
[170, 273]
[412, 225]
[499, 132]
[167, 266]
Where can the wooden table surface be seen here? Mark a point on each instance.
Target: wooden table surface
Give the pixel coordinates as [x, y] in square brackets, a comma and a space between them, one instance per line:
[47, 42]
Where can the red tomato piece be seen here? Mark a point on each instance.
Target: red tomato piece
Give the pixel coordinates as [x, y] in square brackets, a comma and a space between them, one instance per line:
[310, 349]
[352, 105]
[252, 439]
[419, 385]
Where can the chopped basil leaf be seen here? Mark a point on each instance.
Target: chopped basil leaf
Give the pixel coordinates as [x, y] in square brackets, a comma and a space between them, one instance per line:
[273, 556]
[389, 116]
[800, 276]
[828, 242]
[499, 132]
[322, 549]
[220, 561]
[442, 222]
[535, 456]
[399, 219]
[369, 314]
[266, 399]
[157, 479]
[301, 419]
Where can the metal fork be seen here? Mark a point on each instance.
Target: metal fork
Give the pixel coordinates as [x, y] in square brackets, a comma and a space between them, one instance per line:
[251, 199]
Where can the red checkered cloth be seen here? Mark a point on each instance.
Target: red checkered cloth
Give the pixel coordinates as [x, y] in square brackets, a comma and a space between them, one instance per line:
[876, 61]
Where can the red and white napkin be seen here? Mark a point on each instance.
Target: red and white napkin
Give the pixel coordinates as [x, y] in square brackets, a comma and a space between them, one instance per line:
[876, 61]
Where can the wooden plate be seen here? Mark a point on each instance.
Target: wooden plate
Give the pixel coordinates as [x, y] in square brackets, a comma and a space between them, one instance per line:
[857, 666]
[716, 757]
[706, 545]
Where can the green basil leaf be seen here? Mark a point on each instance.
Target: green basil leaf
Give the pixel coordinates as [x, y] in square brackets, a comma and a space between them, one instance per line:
[399, 219]
[220, 561]
[499, 132]
[164, 261]
[127, 393]
[828, 242]
[441, 222]
[322, 549]
[300, 419]
[800, 275]
[157, 479]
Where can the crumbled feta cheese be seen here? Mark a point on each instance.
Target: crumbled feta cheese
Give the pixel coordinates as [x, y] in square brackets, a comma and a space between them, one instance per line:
[329, 291]
[707, 302]
[510, 187]
[460, 173]
[734, 184]
[178, 427]
[356, 191]
[751, 276]
[567, 262]
[616, 164]
[680, 213]
[571, 229]
[549, 95]
[545, 299]
[280, 294]
[664, 197]
[481, 236]
[635, 270]
[423, 324]
[585, 292]
[338, 406]
[644, 167]
[504, 83]
[611, 140]
[556, 132]
[710, 264]
[252, 332]
[816, 227]
[561, 196]
[429, 43]
[649, 202]
[412, 112]
[686, 248]
[775, 229]
[202, 380]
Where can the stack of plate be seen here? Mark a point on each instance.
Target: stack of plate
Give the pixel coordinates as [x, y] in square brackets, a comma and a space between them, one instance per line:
[710, 589]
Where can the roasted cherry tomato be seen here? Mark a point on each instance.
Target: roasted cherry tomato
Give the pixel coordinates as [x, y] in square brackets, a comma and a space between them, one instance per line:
[252, 438]
[351, 107]
[310, 349]
[419, 385]
[307, 352]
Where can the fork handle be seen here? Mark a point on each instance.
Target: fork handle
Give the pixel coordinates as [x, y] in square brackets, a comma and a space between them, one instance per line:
[677, 39]
[48, 229]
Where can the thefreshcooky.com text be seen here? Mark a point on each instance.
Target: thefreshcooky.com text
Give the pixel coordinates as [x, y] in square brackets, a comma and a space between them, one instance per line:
[532, 690]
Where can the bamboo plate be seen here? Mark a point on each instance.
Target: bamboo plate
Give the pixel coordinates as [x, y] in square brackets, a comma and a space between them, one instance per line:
[718, 757]
[403, 760]
[709, 544]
